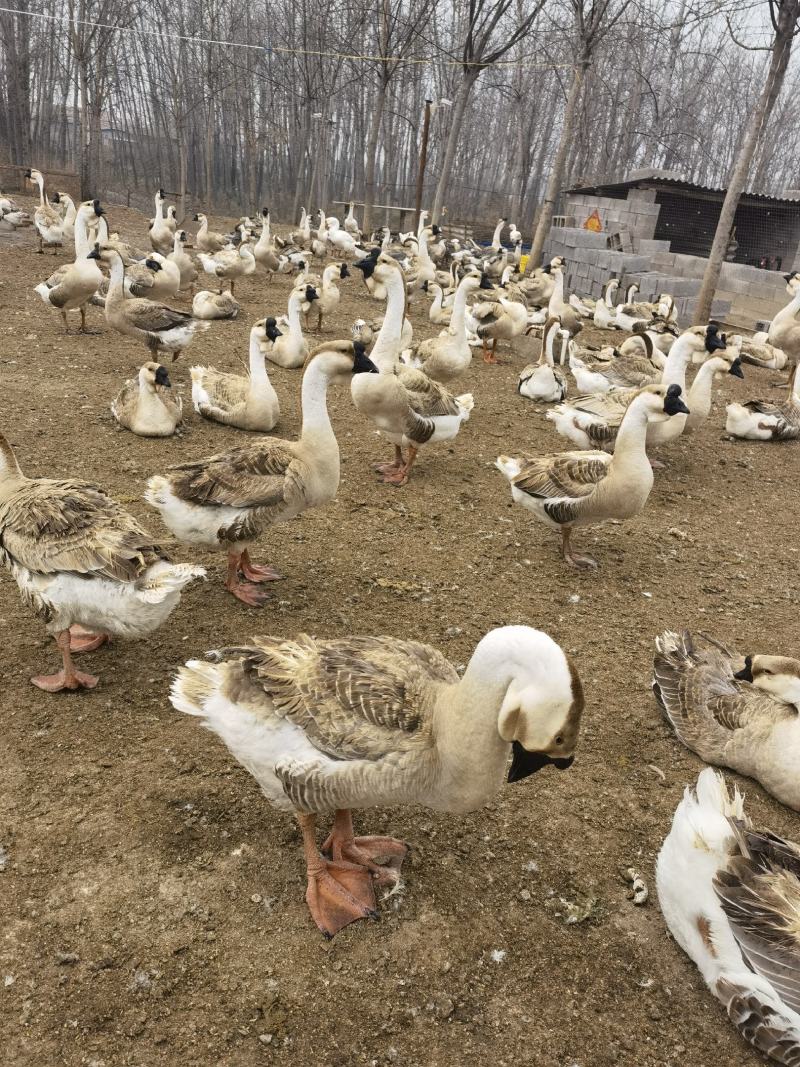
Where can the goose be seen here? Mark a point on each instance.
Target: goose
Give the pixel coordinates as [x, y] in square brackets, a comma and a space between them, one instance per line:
[626, 318]
[605, 314]
[584, 306]
[302, 235]
[327, 299]
[784, 330]
[70, 212]
[447, 357]
[498, 319]
[762, 354]
[162, 230]
[617, 372]
[351, 223]
[290, 350]
[208, 240]
[699, 398]
[159, 326]
[227, 500]
[424, 267]
[538, 285]
[72, 286]
[343, 242]
[741, 712]
[7, 204]
[14, 220]
[208, 305]
[654, 338]
[497, 244]
[582, 488]
[514, 236]
[48, 222]
[81, 561]
[318, 246]
[406, 406]
[264, 249]
[336, 724]
[230, 263]
[247, 402]
[543, 381]
[764, 420]
[146, 404]
[187, 271]
[593, 420]
[641, 309]
[438, 314]
[145, 279]
[730, 896]
[557, 308]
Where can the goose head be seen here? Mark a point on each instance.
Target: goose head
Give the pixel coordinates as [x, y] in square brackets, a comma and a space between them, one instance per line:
[344, 271]
[35, 177]
[152, 376]
[661, 400]
[792, 281]
[340, 360]
[540, 714]
[266, 329]
[704, 341]
[199, 217]
[777, 675]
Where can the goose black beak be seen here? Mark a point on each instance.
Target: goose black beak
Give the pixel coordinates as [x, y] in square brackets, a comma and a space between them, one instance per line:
[524, 763]
[736, 369]
[746, 673]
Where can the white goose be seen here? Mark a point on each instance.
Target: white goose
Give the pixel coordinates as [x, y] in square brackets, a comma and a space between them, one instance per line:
[333, 725]
[544, 381]
[730, 896]
[72, 286]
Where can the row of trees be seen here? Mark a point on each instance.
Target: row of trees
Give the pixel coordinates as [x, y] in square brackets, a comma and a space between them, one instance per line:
[303, 103]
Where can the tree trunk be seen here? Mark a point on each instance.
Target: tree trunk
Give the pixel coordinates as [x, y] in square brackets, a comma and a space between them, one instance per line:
[559, 164]
[781, 51]
[85, 148]
[469, 78]
[372, 153]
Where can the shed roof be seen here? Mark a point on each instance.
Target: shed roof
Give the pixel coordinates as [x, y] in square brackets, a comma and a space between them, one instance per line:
[677, 185]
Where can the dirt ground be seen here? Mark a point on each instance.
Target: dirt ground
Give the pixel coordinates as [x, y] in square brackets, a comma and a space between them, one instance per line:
[152, 902]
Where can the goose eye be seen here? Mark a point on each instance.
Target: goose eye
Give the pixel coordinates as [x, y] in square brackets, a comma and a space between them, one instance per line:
[559, 740]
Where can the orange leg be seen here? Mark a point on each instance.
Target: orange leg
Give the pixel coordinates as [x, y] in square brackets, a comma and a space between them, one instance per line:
[247, 592]
[400, 477]
[253, 572]
[67, 677]
[385, 468]
[341, 844]
[338, 892]
[83, 640]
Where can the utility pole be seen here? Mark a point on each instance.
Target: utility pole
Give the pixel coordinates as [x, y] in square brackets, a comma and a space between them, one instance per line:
[423, 159]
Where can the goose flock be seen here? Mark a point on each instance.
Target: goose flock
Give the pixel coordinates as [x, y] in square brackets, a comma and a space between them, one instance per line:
[329, 726]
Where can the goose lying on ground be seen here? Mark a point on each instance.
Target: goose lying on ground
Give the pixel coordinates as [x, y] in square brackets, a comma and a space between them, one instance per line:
[733, 711]
[764, 420]
[332, 725]
[730, 896]
[248, 402]
[146, 404]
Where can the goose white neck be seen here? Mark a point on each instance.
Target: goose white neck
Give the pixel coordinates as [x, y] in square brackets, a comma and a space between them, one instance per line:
[548, 342]
[9, 468]
[256, 361]
[423, 215]
[329, 274]
[177, 244]
[557, 295]
[791, 309]
[699, 398]
[680, 354]
[159, 208]
[458, 317]
[609, 289]
[387, 343]
[422, 251]
[497, 231]
[314, 400]
[629, 450]
[40, 182]
[116, 279]
[293, 314]
[203, 225]
[264, 237]
[82, 245]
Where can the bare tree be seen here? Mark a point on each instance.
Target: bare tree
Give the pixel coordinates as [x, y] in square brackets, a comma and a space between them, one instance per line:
[784, 15]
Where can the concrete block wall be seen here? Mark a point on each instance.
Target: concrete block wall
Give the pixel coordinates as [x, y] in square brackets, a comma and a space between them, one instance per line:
[638, 215]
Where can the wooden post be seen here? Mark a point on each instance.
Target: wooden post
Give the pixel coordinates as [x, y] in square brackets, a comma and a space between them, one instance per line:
[423, 159]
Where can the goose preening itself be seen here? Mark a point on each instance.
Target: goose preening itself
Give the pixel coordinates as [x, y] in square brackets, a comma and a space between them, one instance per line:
[72, 286]
[84, 563]
[571, 489]
[47, 220]
[765, 420]
[247, 402]
[733, 711]
[730, 895]
[207, 305]
[160, 327]
[226, 501]
[146, 405]
[543, 380]
[332, 725]
[406, 406]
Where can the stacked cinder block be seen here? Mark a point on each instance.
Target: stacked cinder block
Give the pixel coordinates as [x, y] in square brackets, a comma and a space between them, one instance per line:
[637, 215]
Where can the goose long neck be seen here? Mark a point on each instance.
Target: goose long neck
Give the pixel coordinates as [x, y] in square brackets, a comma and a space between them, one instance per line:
[256, 361]
[497, 231]
[314, 402]
[788, 313]
[557, 296]
[629, 450]
[677, 361]
[423, 247]
[116, 279]
[387, 343]
[82, 246]
[264, 237]
[159, 208]
[9, 468]
[42, 198]
[457, 318]
[293, 314]
[699, 398]
[548, 340]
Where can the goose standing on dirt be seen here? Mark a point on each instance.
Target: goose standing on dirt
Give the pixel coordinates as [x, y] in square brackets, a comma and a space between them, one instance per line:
[161, 328]
[448, 356]
[230, 264]
[183, 261]
[735, 711]
[207, 240]
[48, 222]
[332, 725]
[249, 403]
[226, 501]
[72, 286]
[571, 489]
[730, 895]
[327, 299]
[146, 404]
[70, 213]
[764, 420]
[264, 249]
[162, 231]
[87, 567]
[406, 406]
